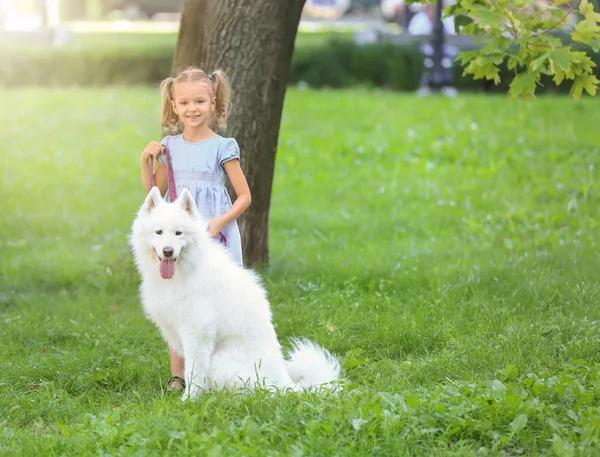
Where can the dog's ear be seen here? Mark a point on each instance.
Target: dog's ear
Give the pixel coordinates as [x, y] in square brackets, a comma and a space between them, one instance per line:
[187, 203]
[153, 199]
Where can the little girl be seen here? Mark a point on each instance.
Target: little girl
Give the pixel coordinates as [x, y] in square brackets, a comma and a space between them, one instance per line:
[192, 103]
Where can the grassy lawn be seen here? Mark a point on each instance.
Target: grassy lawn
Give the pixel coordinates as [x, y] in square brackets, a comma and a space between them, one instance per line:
[143, 40]
[447, 250]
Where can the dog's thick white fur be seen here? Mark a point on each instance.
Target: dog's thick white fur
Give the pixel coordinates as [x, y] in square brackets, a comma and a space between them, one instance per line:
[211, 311]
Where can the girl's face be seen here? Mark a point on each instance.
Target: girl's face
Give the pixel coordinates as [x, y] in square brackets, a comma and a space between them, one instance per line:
[193, 104]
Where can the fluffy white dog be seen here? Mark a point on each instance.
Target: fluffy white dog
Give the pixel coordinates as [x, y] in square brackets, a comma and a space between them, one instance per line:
[211, 311]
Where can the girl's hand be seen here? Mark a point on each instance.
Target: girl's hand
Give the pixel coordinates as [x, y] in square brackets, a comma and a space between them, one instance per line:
[152, 150]
[215, 226]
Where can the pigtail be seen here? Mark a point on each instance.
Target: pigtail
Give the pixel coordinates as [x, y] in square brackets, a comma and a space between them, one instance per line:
[168, 118]
[222, 88]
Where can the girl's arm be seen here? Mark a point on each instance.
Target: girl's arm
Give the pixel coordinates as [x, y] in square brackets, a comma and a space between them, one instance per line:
[242, 191]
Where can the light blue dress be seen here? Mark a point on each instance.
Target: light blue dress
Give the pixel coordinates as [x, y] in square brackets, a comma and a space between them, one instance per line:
[198, 167]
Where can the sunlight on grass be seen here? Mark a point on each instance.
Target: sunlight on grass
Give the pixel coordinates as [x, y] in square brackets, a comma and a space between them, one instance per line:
[445, 249]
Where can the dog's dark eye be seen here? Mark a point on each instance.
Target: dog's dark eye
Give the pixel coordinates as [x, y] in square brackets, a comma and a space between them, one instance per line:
[158, 232]
[177, 233]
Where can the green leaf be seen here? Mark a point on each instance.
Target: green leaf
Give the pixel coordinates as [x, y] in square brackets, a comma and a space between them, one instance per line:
[485, 16]
[561, 58]
[63, 429]
[513, 62]
[508, 372]
[551, 41]
[461, 21]
[537, 63]
[583, 62]
[495, 58]
[466, 56]
[587, 10]
[554, 424]
[518, 423]
[498, 387]
[523, 85]
[353, 363]
[559, 76]
[451, 10]
[562, 447]
[557, 13]
[585, 31]
[496, 46]
[479, 69]
[216, 451]
[413, 401]
[584, 81]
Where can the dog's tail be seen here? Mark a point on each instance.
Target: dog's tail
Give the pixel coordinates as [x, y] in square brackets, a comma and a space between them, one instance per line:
[311, 365]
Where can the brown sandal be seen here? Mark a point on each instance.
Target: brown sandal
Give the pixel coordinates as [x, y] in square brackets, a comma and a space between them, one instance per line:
[179, 380]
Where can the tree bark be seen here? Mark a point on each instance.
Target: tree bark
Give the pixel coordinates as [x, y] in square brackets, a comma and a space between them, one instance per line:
[253, 41]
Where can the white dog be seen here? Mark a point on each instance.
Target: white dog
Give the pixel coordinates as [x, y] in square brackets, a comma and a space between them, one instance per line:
[211, 311]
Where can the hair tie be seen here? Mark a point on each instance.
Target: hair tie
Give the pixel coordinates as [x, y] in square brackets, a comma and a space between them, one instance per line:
[210, 77]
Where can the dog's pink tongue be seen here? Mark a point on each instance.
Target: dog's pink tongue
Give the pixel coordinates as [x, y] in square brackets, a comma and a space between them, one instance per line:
[167, 268]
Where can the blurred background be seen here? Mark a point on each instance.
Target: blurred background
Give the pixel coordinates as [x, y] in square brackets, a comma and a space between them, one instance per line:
[341, 43]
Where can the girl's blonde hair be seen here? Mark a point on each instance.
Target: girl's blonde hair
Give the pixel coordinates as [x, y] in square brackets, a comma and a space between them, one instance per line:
[219, 87]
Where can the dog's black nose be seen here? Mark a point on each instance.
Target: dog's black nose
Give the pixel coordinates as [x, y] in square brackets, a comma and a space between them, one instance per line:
[168, 252]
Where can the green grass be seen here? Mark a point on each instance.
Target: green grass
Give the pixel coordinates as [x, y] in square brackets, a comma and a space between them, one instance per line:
[144, 40]
[93, 41]
[445, 249]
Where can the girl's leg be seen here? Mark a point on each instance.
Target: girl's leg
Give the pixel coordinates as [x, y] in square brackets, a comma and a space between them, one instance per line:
[177, 369]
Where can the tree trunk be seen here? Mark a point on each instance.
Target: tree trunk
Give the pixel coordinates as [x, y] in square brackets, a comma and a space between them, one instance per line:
[253, 41]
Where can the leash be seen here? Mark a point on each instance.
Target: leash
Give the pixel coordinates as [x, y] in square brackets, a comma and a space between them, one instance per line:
[171, 184]
[170, 177]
